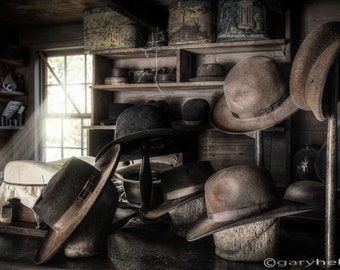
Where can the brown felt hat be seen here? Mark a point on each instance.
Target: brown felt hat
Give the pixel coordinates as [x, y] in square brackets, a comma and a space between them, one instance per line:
[311, 193]
[256, 96]
[311, 65]
[68, 198]
[181, 185]
[209, 72]
[240, 195]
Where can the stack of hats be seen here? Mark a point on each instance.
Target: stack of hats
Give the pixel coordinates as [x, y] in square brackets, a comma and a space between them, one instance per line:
[117, 75]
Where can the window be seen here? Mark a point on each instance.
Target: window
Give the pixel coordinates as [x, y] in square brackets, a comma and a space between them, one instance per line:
[67, 105]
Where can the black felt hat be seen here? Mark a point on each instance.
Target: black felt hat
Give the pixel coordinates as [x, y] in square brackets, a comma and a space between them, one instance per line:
[195, 115]
[145, 123]
[180, 185]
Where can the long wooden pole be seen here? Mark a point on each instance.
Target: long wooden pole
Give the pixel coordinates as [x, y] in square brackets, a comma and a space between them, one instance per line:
[331, 172]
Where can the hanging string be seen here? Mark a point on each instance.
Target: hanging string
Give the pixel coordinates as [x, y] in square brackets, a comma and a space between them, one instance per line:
[156, 47]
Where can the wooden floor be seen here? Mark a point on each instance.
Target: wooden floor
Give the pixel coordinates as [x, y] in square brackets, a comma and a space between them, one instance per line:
[155, 247]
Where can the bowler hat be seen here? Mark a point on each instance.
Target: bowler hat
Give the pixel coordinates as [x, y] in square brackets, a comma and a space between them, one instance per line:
[311, 65]
[144, 122]
[240, 195]
[195, 115]
[311, 193]
[69, 196]
[256, 96]
[180, 185]
[209, 72]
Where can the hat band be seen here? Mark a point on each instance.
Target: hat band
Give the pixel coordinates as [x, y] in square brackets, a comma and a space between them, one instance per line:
[194, 123]
[179, 193]
[242, 212]
[261, 112]
[78, 202]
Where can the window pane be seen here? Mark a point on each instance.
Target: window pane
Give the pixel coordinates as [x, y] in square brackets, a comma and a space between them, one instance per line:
[53, 132]
[77, 96]
[75, 69]
[53, 154]
[55, 99]
[88, 99]
[72, 152]
[72, 133]
[89, 68]
[58, 66]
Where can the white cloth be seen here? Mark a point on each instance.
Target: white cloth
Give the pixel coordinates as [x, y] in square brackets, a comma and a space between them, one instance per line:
[26, 179]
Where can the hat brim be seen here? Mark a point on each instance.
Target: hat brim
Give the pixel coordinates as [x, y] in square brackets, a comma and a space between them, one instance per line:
[205, 226]
[54, 239]
[128, 142]
[316, 81]
[222, 118]
[169, 205]
[155, 166]
[180, 125]
[310, 49]
[206, 79]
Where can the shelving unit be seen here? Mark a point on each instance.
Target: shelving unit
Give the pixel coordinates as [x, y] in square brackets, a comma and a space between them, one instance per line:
[185, 59]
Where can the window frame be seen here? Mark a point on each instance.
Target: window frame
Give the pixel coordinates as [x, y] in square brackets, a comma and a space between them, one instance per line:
[43, 97]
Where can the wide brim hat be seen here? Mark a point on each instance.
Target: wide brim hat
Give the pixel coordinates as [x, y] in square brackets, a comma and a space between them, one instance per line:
[266, 76]
[314, 45]
[190, 179]
[241, 175]
[66, 224]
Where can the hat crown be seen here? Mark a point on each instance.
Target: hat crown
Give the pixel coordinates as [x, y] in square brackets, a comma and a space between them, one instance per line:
[239, 187]
[140, 118]
[211, 70]
[186, 179]
[255, 87]
[308, 192]
[196, 109]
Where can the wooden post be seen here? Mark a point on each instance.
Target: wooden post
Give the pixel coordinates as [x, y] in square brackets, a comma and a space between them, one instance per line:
[145, 179]
[259, 148]
[331, 172]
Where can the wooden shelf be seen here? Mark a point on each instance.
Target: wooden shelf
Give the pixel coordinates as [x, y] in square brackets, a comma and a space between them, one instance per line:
[102, 127]
[11, 127]
[204, 48]
[163, 86]
[5, 93]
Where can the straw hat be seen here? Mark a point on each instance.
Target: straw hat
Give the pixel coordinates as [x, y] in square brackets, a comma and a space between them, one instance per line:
[68, 198]
[311, 65]
[240, 195]
[180, 185]
[256, 96]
